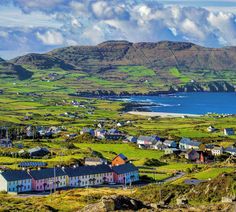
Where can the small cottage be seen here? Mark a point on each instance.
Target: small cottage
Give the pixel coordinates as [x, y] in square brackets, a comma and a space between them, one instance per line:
[228, 131]
[119, 160]
[169, 151]
[169, 143]
[192, 155]
[38, 152]
[217, 151]
[94, 161]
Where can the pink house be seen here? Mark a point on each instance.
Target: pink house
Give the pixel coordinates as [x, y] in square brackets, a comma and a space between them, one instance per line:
[125, 173]
[48, 179]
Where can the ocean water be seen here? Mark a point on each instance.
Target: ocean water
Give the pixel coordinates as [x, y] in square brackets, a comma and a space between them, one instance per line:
[190, 103]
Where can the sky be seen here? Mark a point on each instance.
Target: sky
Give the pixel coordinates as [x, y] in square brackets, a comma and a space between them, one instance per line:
[42, 25]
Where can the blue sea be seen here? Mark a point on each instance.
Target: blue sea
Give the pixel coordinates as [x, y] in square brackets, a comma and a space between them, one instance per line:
[190, 103]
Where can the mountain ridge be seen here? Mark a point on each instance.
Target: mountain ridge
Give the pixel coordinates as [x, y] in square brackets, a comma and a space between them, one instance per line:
[146, 66]
[160, 55]
[10, 70]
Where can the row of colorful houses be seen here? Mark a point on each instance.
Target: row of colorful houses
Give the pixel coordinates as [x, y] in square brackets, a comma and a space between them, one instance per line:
[20, 181]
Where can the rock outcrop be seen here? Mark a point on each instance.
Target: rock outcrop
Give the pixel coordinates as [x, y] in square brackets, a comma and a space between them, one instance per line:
[115, 203]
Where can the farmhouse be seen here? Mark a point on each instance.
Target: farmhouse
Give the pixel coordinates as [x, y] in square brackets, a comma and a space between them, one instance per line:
[15, 181]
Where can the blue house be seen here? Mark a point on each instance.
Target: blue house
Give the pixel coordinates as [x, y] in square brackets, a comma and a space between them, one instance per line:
[229, 131]
[15, 181]
[169, 143]
[87, 130]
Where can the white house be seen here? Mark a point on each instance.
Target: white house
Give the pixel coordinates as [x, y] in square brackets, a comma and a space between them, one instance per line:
[211, 129]
[186, 143]
[15, 181]
[169, 143]
[217, 151]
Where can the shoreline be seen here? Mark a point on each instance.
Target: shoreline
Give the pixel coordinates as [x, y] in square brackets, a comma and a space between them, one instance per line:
[162, 114]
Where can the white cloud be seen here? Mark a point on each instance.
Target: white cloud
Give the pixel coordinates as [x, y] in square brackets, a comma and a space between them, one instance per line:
[190, 29]
[50, 38]
[44, 5]
[72, 22]
[224, 26]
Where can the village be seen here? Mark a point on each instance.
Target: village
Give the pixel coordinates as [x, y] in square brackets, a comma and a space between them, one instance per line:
[35, 176]
[95, 172]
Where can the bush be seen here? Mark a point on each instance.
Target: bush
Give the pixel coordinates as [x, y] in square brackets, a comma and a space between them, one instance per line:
[154, 162]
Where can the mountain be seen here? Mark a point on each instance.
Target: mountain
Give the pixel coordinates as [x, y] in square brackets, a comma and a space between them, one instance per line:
[41, 61]
[122, 66]
[158, 56]
[10, 70]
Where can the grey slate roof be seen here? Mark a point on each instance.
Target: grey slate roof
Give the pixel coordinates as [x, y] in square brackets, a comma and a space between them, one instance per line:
[15, 175]
[125, 168]
[231, 149]
[36, 149]
[87, 170]
[148, 138]
[46, 173]
[189, 142]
